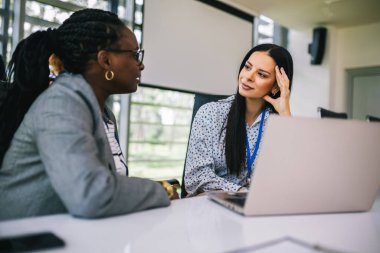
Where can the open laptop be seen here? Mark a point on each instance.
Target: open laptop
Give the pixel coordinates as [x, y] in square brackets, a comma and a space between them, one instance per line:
[311, 166]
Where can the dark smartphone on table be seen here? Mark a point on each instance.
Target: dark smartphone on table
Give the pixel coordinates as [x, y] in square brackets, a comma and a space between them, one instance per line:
[30, 242]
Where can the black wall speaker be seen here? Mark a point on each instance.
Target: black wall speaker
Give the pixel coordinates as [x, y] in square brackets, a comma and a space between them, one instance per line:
[317, 46]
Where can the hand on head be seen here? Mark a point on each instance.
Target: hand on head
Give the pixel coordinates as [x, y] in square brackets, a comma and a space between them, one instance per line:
[281, 104]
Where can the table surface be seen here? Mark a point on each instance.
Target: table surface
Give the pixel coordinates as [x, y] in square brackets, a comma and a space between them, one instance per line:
[200, 225]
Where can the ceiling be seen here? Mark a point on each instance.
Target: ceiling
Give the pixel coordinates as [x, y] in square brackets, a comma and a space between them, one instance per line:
[306, 14]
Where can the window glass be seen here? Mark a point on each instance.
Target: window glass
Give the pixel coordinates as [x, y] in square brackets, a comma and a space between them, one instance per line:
[7, 43]
[265, 30]
[125, 11]
[138, 17]
[46, 12]
[41, 15]
[138, 34]
[5, 22]
[31, 28]
[159, 130]
[98, 4]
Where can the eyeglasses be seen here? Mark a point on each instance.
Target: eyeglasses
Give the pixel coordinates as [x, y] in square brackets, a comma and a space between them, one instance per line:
[137, 54]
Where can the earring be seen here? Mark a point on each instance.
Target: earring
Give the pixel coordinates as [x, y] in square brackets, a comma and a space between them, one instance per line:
[109, 75]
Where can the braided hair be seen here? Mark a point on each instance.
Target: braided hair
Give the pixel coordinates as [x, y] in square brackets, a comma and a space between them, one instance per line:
[75, 42]
[235, 149]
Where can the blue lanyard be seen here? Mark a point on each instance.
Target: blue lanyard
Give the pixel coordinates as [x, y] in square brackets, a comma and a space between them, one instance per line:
[251, 158]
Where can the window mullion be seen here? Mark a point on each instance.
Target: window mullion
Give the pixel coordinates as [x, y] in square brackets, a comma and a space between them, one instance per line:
[18, 22]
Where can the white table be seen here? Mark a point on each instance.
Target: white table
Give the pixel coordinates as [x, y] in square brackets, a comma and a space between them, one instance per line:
[199, 225]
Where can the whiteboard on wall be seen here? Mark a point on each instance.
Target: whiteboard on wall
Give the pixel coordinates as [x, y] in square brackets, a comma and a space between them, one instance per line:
[192, 46]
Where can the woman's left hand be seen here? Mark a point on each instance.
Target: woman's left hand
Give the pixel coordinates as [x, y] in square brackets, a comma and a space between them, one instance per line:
[281, 104]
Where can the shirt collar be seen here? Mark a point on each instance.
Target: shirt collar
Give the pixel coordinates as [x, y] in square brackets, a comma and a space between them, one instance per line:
[258, 119]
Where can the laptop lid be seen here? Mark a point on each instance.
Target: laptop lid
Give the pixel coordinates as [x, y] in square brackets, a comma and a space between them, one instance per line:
[310, 165]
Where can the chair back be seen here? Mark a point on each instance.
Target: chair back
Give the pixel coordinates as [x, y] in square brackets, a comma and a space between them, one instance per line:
[199, 100]
[331, 114]
[371, 118]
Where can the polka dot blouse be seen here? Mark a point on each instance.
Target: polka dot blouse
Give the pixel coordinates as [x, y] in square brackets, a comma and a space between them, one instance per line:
[206, 168]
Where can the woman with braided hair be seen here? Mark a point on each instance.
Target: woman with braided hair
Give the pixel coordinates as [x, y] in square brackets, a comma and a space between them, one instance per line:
[54, 152]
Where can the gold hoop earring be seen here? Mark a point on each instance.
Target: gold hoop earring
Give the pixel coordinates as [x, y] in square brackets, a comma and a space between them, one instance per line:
[109, 75]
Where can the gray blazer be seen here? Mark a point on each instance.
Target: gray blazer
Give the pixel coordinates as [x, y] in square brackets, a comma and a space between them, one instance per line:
[60, 161]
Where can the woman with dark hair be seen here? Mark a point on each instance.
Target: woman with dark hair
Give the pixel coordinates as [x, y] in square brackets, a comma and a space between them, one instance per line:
[226, 135]
[54, 152]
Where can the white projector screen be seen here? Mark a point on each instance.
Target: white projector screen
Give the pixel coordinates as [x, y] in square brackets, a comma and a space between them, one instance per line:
[192, 46]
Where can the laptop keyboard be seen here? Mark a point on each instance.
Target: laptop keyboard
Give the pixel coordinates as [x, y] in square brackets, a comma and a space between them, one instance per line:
[238, 201]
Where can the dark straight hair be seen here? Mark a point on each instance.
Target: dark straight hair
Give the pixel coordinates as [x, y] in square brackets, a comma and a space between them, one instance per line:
[235, 148]
[75, 42]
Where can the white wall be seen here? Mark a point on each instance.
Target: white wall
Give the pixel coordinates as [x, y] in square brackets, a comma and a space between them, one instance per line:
[325, 85]
[193, 46]
[310, 82]
[357, 47]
